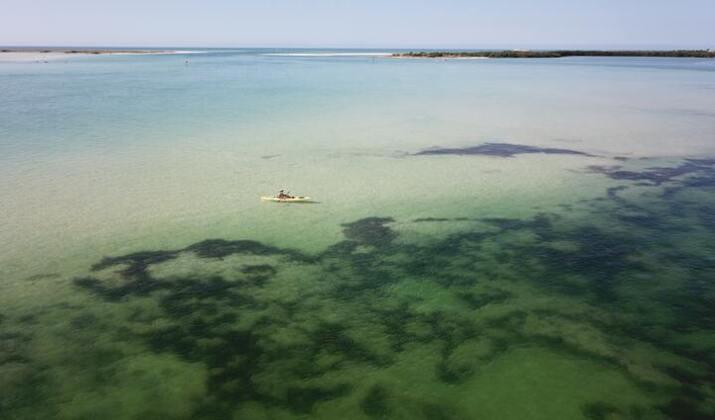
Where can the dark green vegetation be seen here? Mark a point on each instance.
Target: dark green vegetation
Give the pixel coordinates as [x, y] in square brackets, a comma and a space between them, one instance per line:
[374, 327]
[500, 150]
[558, 53]
[659, 175]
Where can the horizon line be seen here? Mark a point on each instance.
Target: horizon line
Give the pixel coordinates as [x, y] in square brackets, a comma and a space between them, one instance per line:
[373, 47]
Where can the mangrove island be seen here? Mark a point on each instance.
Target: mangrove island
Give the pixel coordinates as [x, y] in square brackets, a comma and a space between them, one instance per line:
[556, 53]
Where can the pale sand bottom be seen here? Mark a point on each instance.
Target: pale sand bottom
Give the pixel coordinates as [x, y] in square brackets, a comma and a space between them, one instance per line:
[108, 207]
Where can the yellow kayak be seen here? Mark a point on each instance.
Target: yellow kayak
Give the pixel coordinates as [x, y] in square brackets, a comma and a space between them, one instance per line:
[297, 199]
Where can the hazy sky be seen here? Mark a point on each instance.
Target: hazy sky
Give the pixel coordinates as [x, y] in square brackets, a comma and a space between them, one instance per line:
[355, 23]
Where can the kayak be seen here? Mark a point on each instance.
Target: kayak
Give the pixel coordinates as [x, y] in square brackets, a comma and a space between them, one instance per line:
[287, 200]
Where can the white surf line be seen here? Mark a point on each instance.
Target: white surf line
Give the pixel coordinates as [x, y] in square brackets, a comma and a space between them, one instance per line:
[345, 54]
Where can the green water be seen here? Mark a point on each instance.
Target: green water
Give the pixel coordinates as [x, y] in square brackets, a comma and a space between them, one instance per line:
[604, 310]
[141, 280]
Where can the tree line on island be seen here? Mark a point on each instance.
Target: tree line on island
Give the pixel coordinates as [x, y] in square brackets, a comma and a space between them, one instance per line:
[557, 53]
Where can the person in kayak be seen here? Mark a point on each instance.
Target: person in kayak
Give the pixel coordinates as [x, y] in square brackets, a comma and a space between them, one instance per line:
[284, 195]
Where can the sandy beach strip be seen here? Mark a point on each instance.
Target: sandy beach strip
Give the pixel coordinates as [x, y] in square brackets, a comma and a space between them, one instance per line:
[404, 57]
[329, 54]
[30, 56]
[54, 55]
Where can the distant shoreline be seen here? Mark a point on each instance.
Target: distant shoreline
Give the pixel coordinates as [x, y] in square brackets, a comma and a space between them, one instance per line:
[58, 54]
[557, 54]
[82, 51]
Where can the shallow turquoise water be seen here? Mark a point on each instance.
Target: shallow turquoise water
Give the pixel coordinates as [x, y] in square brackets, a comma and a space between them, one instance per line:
[142, 277]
